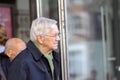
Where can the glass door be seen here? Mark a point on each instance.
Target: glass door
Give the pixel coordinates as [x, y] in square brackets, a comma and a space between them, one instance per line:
[47, 8]
[89, 41]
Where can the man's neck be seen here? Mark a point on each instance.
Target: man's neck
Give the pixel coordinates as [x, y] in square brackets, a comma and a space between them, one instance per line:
[42, 48]
[45, 50]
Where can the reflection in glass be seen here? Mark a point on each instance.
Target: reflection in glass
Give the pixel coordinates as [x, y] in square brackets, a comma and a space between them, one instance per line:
[50, 8]
[85, 43]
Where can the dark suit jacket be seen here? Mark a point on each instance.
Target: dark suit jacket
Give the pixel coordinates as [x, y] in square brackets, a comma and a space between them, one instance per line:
[4, 65]
[2, 75]
[30, 64]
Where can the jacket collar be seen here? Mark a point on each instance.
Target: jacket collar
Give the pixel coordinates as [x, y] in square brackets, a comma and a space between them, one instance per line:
[37, 54]
[34, 50]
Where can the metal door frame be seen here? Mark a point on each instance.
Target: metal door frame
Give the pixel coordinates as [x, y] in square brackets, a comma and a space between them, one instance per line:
[63, 41]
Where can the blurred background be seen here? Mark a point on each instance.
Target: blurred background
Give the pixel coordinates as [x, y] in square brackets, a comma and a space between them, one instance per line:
[90, 40]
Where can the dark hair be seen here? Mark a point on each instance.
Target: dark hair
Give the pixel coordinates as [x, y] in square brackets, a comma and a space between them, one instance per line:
[3, 35]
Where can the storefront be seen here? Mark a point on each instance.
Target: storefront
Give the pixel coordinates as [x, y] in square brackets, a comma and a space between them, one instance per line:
[90, 39]
[89, 43]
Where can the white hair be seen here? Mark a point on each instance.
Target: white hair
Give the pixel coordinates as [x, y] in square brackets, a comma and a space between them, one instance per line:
[41, 26]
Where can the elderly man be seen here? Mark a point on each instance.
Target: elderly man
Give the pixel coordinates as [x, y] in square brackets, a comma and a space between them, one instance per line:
[38, 61]
[13, 47]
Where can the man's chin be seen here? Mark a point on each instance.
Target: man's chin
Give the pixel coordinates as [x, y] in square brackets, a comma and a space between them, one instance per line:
[55, 48]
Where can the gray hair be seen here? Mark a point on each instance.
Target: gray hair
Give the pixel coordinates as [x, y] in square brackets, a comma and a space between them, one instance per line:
[41, 26]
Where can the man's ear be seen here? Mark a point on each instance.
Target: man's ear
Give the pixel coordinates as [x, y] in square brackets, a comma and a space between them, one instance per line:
[8, 52]
[40, 39]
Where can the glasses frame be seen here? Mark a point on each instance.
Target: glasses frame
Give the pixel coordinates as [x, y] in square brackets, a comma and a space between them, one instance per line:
[56, 35]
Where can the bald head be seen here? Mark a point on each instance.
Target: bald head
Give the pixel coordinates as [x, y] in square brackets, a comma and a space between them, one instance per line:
[13, 47]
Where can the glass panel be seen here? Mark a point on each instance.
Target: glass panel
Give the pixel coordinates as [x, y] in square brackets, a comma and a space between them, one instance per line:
[49, 8]
[88, 40]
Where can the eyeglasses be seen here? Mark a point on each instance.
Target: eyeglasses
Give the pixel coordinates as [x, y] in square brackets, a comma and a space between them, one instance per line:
[56, 35]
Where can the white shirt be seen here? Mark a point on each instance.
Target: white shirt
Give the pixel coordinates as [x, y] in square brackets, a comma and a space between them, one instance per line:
[2, 49]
